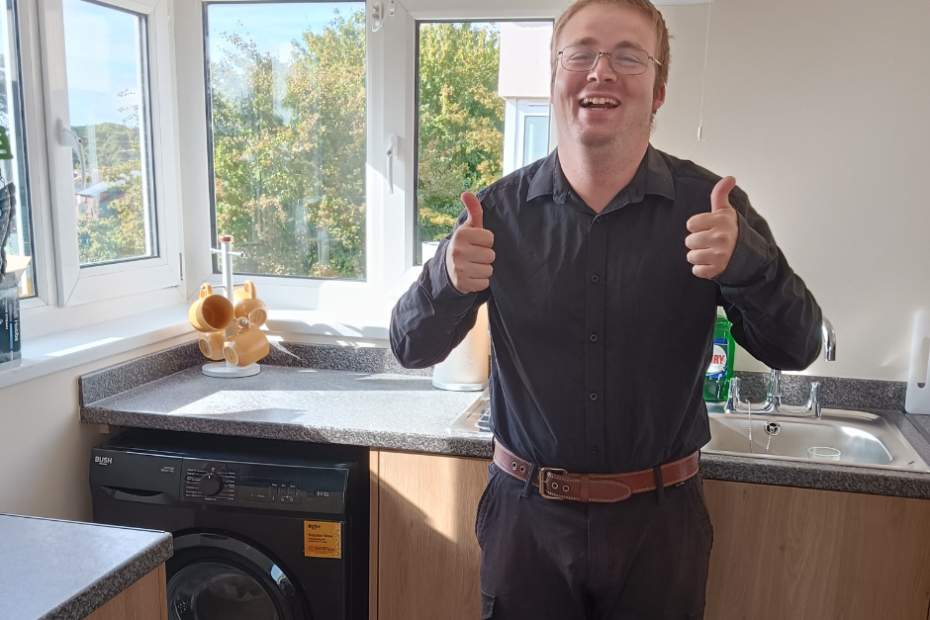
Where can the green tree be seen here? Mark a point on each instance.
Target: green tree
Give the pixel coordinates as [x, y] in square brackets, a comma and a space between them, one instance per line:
[118, 230]
[461, 120]
[289, 153]
[289, 142]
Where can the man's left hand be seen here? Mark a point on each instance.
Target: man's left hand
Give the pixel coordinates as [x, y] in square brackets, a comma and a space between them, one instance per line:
[713, 235]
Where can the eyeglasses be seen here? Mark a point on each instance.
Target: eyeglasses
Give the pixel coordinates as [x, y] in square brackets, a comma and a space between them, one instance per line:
[626, 60]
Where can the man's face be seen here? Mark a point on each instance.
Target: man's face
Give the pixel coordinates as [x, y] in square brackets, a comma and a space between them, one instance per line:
[627, 119]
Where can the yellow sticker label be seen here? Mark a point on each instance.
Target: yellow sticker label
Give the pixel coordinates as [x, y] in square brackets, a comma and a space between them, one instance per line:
[322, 539]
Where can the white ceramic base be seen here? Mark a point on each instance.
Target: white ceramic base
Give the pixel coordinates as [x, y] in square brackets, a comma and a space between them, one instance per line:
[459, 387]
[225, 370]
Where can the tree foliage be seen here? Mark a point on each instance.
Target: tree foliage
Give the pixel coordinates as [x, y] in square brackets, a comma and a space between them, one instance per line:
[118, 229]
[289, 153]
[461, 120]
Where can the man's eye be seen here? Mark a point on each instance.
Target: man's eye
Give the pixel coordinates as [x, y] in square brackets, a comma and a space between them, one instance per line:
[580, 58]
[628, 59]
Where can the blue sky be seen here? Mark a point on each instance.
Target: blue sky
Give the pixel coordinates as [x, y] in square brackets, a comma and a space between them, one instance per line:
[272, 26]
[102, 47]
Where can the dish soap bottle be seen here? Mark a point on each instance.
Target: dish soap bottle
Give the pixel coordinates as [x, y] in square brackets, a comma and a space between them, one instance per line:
[720, 371]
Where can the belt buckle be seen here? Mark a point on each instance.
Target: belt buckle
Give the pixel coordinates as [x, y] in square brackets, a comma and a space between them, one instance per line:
[542, 481]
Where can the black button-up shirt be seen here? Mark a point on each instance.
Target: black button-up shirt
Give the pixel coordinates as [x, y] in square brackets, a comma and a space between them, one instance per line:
[601, 335]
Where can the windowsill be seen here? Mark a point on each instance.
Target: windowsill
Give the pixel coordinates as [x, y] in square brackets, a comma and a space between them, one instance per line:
[68, 349]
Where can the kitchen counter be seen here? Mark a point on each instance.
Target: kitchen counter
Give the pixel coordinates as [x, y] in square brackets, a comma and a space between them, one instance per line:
[64, 570]
[362, 397]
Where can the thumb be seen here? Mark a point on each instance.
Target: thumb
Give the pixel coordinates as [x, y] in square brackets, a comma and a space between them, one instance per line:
[720, 196]
[475, 211]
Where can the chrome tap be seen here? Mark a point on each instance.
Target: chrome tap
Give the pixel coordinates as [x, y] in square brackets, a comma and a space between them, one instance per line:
[829, 340]
[773, 401]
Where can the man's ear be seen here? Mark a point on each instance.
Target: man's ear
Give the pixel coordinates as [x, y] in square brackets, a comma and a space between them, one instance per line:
[659, 99]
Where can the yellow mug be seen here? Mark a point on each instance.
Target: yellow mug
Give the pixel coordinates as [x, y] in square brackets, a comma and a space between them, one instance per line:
[211, 312]
[211, 344]
[248, 345]
[249, 306]
[246, 292]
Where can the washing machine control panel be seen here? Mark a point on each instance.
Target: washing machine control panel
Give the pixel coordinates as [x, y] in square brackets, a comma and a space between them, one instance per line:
[257, 485]
[210, 482]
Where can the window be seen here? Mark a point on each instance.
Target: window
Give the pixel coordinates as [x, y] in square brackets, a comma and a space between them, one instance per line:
[287, 106]
[106, 59]
[13, 164]
[109, 118]
[470, 75]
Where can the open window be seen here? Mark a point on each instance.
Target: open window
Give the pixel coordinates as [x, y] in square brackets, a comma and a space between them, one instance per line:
[110, 133]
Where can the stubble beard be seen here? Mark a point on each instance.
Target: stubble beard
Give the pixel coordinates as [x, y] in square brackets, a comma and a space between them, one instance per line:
[626, 136]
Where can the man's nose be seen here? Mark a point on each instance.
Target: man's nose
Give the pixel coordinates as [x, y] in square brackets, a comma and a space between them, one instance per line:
[602, 71]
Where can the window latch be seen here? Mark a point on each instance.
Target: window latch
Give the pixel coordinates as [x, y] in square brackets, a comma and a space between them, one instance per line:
[67, 137]
[391, 154]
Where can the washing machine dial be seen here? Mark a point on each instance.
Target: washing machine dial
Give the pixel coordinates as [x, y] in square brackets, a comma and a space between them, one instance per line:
[210, 485]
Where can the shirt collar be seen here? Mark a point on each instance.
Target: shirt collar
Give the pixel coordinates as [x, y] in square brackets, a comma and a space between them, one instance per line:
[652, 177]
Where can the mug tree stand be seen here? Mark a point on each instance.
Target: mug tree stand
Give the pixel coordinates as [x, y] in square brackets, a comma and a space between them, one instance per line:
[225, 370]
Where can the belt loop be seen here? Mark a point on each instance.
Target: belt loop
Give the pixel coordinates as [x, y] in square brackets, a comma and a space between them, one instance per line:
[528, 485]
[660, 486]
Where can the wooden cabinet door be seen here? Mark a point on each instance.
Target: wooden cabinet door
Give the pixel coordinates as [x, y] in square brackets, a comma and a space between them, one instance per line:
[779, 552]
[782, 552]
[428, 556]
[146, 599]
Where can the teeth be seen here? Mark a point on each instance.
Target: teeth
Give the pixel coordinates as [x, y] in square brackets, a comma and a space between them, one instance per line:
[598, 101]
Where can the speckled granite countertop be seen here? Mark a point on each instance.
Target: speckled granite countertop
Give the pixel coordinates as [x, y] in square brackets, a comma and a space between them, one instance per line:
[64, 570]
[330, 394]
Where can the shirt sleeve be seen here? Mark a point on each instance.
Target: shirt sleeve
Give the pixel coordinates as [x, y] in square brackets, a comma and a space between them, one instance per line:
[432, 318]
[775, 317]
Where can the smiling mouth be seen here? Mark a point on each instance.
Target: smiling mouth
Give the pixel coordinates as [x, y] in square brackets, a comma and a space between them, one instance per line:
[599, 103]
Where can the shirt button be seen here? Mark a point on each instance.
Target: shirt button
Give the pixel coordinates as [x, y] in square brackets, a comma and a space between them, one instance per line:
[593, 337]
[593, 396]
[597, 219]
[595, 278]
[594, 450]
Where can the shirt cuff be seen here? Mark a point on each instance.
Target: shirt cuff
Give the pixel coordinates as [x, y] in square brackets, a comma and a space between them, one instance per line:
[438, 284]
[752, 254]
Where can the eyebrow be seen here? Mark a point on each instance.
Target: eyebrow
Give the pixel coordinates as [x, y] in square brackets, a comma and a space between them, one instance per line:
[593, 41]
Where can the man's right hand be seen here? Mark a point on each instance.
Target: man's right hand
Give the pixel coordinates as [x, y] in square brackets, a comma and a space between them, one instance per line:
[469, 254]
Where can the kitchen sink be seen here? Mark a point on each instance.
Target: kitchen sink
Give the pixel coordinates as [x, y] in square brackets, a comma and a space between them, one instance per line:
[862, 439]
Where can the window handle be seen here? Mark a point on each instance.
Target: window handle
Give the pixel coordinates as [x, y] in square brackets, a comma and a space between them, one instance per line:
[391, 154]
[67, 137]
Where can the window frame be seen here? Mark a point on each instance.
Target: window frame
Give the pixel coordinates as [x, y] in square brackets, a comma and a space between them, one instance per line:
[390, 217]
[34, 138]
[387, 56]
[76, 285]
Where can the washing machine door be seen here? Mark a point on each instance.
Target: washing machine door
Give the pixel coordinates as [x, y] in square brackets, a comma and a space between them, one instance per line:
[214, 576]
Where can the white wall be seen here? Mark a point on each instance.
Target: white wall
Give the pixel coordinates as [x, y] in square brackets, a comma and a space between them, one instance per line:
[44, 449]
[820, 110]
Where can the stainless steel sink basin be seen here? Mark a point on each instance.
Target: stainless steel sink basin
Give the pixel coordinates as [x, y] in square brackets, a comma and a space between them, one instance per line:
[863, 439]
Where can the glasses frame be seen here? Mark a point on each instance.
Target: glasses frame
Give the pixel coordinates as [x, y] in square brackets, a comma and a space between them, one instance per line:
[597, 59]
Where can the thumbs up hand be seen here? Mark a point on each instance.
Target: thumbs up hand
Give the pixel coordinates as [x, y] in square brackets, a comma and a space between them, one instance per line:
[469, 254]
[713, 235]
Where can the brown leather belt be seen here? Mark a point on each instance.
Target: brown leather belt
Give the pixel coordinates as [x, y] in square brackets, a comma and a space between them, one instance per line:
[555, 483]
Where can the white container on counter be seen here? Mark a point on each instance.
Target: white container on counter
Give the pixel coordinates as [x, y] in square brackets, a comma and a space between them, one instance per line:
[467, 367]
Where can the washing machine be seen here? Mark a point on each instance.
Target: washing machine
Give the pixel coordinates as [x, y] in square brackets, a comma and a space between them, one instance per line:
[263, 529]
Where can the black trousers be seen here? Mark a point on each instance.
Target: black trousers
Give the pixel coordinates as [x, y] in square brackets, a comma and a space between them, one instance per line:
[637, 559]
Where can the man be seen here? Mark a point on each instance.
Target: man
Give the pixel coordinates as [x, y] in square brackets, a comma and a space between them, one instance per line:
[602, 266]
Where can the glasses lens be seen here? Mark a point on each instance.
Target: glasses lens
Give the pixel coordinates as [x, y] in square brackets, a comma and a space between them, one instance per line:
[628, 60]
[579, 57]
